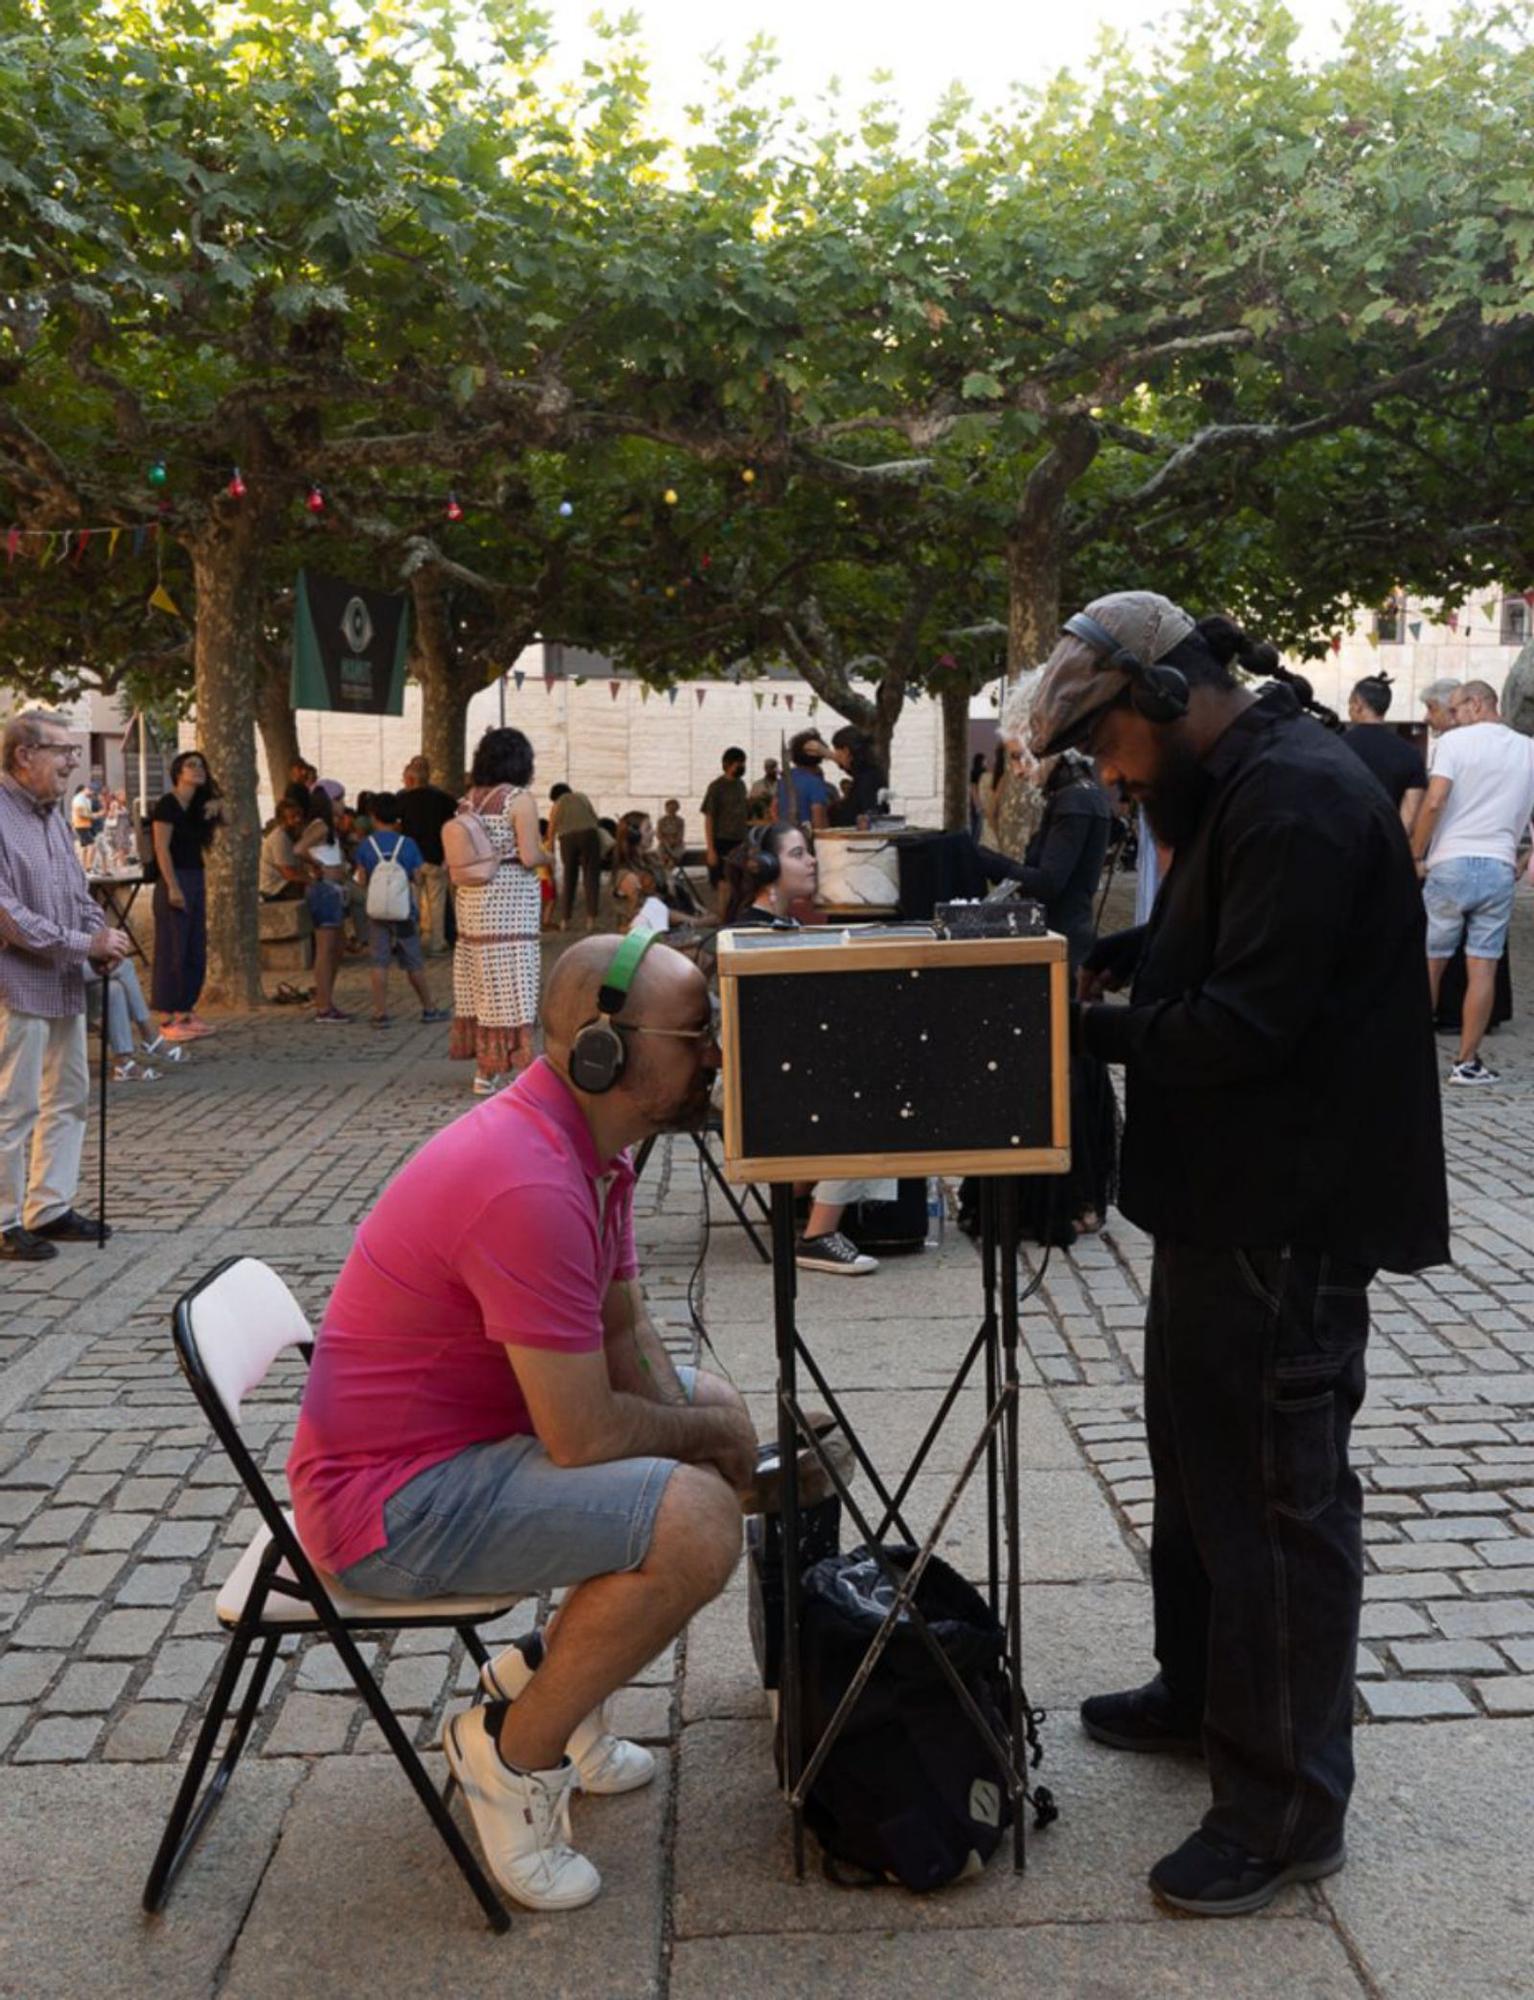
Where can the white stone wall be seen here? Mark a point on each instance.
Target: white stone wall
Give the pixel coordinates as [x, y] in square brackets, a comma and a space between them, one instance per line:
[625, 750]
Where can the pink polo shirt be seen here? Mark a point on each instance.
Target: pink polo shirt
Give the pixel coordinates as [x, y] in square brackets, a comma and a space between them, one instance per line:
[503, 1231]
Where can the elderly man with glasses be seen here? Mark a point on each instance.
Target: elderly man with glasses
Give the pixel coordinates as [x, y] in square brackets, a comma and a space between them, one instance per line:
[49, 928]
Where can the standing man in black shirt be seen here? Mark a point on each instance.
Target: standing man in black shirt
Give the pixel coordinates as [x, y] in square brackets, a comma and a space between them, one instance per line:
[424, 809]
[1282, 1143]
[724, 820]
[1395, 760]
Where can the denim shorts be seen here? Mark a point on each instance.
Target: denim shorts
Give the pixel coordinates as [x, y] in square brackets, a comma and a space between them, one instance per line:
[327, 905]
[1470, 898]
[400, 940]
[503, 1517]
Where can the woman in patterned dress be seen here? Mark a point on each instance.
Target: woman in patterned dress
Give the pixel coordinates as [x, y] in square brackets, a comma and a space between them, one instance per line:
[496, 965]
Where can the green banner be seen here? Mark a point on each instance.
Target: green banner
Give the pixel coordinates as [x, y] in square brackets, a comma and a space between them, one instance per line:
[349, 647]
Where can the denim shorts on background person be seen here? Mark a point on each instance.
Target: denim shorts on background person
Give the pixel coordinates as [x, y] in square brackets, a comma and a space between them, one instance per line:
[1471, 897]
[327, 905]
[390, 940]
[503, 1517]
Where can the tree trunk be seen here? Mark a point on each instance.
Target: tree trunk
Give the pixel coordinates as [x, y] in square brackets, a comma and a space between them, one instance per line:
[1036, 546]
[448, 681]
[227, 565]
[955, 700]
[275, 718]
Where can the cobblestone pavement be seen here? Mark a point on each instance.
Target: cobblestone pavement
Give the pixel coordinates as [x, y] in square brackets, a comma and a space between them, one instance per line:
[119, 1518]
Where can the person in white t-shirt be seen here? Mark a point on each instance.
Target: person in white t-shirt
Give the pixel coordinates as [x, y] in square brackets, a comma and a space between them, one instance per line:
[1479, 800]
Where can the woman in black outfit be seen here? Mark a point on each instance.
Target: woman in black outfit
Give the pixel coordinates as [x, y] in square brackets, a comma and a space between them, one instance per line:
[183, 825]
[853, 749]
[1061, 869]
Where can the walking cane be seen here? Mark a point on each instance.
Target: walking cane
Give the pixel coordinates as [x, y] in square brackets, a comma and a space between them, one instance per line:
[101, 1192]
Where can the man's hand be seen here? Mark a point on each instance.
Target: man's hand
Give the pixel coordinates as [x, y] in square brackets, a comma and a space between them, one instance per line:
[1109, 965]
[736, 1456]
[108, 947]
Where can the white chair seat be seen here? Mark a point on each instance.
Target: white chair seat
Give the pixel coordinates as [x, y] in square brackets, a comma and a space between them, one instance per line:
[297, 1611]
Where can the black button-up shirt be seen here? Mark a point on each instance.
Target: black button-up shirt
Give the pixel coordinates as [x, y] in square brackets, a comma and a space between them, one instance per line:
[1281, 1077]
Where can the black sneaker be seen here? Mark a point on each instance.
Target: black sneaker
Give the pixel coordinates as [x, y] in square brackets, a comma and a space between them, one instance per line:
[1143, 1718]
[1472, 1072]
[1210, 1876]
[21, 1246]
[71, 1227]
[835, 1254]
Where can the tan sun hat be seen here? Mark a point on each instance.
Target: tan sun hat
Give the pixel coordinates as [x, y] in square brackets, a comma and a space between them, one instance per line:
[1079, 679]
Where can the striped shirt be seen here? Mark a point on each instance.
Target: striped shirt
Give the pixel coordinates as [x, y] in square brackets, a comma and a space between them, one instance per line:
[47, 916]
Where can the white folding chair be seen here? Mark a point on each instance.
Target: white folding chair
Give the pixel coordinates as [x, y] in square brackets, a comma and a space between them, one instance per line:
[228, 1330]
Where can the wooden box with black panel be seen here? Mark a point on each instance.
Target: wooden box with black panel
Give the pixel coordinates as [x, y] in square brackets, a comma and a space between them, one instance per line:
[888, 1051]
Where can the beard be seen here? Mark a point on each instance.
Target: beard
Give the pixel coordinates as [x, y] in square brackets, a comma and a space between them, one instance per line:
[1175, 799]
[688, 1112]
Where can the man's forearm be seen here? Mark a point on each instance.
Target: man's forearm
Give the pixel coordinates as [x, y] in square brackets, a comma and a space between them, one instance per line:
[636, 1427]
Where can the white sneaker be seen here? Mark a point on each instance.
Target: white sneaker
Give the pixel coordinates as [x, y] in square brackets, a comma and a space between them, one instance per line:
[522, 1819]
[486, 1086]
[605, 1763]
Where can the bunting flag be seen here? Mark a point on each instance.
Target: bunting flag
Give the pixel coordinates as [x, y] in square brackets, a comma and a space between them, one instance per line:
[1374, 641]
[1452, 621]
[69, 535]
[814, 703]
[1528, 598]
[1491, 611]
[114, 535]
[757, 696]
[1415, 628]
[1336, 642]
[702, 694]
[644, 691]
[614, 688]
[774, 701]
[580, 680]
[160, 599]
[789, 699]
[548, 685]
[671, 695]
[12, 544]
[519, 676]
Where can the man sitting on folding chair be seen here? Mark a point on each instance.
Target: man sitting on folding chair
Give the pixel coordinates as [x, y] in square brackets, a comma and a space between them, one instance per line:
[490, 1408]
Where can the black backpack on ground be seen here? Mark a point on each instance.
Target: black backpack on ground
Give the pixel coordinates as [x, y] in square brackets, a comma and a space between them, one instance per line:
[910, 1791]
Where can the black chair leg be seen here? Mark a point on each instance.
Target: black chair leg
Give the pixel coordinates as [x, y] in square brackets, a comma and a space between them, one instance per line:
[410, 1763]
[185, 1823]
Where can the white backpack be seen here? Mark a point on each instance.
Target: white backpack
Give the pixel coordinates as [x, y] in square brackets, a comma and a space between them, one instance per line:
[389, 886]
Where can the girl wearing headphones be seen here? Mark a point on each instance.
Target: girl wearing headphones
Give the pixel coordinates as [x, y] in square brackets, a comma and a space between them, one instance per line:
[768, 874]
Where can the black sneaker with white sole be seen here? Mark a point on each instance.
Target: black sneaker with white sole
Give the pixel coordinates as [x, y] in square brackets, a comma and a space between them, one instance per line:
[1472, 1072]
[833, 1254]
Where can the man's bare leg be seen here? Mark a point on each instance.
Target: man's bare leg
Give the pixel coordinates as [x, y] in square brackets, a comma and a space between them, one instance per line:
[1480, 997]
[611, 1626]
[1435, 968]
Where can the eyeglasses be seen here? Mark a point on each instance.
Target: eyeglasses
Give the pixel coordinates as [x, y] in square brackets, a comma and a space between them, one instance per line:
[708, 1034]
[68, 751]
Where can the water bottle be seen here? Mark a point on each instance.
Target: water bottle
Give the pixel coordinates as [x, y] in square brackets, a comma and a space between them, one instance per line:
[936, 1212]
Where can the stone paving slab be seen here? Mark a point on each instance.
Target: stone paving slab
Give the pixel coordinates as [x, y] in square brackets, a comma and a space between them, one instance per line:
[1091, 1961]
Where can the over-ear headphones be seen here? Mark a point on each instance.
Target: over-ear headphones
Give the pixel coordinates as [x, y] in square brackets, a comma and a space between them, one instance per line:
[598, 1053]
[761, 864]
[1158, 692]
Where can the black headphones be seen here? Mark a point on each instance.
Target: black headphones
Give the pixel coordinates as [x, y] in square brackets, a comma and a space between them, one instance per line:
[761, 864]
[1159, 693]
[598, 1053]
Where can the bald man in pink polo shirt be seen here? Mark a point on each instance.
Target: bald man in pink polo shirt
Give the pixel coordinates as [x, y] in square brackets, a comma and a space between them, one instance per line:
[490, 1409]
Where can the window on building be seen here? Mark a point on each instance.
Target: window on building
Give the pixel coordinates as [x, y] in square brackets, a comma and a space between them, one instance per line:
[1515, 621]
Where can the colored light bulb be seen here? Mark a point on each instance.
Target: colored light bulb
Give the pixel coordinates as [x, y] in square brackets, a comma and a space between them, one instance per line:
[157, 473]
[453, 510]
[316, 500]
[748, 477]
[565, 509]
[670, 496]
[236, 488]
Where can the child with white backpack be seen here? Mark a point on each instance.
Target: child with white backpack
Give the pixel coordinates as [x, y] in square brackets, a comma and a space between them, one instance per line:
[388, 862]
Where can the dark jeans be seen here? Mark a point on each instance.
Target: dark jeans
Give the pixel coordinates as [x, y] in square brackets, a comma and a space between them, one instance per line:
[1254, 1368]
[577, 852]
[180, 944]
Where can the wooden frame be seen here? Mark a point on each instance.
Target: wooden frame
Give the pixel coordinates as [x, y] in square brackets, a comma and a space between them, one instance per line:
[891, 954]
